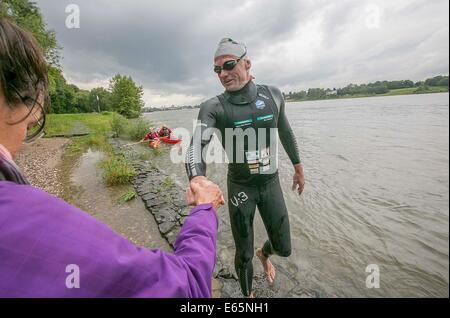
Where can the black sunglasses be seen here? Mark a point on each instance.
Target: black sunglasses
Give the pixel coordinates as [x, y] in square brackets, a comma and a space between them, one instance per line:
[228, 65]
[36, 129]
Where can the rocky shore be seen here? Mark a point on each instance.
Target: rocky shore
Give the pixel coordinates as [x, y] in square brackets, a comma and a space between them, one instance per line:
[162, 197]
[165, 200]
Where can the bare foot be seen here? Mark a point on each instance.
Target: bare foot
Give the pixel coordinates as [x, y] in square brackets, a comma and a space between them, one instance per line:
[251, 295]
[269, 269]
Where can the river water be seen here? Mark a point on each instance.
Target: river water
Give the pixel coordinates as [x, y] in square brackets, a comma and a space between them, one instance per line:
[377, 193]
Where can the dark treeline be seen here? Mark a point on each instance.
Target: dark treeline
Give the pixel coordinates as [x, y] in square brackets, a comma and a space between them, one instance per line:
[376, 88]
[122, 96]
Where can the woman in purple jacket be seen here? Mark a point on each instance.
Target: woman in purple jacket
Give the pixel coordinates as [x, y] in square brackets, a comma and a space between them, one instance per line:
[49, 248]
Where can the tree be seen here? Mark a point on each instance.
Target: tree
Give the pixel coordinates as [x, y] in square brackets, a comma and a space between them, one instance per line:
[27, 15]
[82, 103]
[443, 81]
[316, 93]
[437, 81]
[60, 95]
[380, 89]
[104, 99]
[126, 96]
[67, 98]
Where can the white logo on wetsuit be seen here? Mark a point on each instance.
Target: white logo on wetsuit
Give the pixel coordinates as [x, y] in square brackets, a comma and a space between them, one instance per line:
[260, 104]
[241, 197]
[263, 96]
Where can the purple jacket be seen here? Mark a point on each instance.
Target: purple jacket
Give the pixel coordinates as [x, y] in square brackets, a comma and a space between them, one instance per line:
[45, 243]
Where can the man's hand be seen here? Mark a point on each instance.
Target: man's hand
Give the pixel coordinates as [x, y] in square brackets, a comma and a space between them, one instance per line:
[202, 191]
[298, 179]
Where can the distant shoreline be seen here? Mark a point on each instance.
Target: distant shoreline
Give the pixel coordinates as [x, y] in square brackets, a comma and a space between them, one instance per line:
[394, 92]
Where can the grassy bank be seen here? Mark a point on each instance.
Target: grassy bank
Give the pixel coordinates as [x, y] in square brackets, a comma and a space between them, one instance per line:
[116, 169]
[58, 124]
[392, 92]
[416, 90]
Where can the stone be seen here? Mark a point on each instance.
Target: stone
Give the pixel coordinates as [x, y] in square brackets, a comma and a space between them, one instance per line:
[154, 203]
[138, 182]
[179, 202]
[142, 192]
[182, 219]
[224, 272]
[164, 215]
[185, 211]
[230, 288]
[172, 236]
[149, 196]
[165, 227]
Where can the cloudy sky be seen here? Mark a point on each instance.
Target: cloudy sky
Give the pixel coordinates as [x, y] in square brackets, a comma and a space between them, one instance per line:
[168, 46]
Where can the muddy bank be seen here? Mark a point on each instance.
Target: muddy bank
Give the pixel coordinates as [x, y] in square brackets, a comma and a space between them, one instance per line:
[130, 219]
[79, 180]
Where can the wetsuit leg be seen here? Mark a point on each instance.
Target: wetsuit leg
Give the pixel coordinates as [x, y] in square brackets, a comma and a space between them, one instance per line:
[276, 220]
[242, 205]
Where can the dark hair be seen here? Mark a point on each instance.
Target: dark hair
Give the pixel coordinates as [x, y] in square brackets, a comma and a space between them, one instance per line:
[23, 69]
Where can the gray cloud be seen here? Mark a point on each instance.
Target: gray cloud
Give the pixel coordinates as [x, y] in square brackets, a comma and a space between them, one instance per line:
[167, 46]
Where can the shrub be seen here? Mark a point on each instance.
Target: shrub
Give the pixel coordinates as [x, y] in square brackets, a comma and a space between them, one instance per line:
[119, 124]
[137, 129]
[117, 171]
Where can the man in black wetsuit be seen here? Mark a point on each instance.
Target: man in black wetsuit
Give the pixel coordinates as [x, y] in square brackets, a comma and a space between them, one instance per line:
[252, 172]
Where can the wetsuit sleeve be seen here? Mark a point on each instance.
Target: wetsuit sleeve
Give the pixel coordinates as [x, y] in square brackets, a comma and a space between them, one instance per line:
[285, 132]
[207, 118]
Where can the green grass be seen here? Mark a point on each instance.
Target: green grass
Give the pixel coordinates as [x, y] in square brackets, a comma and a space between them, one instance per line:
[167, 183]
[437, 89]
[145, 155]
[58, 124]
[400, 91]
[80, 145]
[127, 196]
[137, 128]
[416, 90]
[134, 129]
[157, 152]
[117, 171]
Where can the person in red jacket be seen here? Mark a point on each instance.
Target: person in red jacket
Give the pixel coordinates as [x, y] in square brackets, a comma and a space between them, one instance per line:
[165, 131]
[153, 138]
[151, 135]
